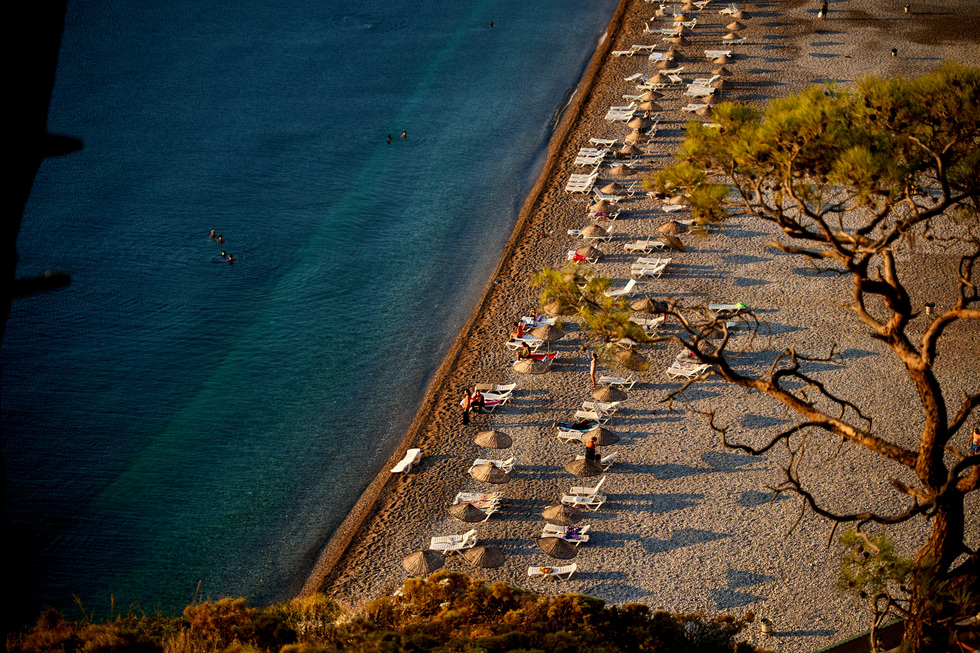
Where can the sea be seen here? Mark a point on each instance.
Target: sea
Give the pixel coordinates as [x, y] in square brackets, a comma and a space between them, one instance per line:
[176, 427]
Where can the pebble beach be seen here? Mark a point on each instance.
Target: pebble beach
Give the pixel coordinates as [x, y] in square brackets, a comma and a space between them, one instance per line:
[688, 525]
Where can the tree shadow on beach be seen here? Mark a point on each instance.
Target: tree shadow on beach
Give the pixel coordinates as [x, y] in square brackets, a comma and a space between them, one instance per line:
[682, 538]
[658, 504]
[755, 498]
[721, 461]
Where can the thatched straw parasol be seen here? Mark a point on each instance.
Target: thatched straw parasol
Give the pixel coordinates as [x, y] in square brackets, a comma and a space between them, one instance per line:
[603, 437]
[532, 365]
[680, 30]
[631, 359]
[634, 137]
[606, 393]
[664, 64]
[704, 111]
[562, 515]
[494, 439]
[594, 231]
[557, 308]
[602, 206]
[639, 123]
[680, 40]
[672, 241]
[619, 170]
[681, 18]
[423, 563]
[649, 96]
[645, 305]
[721, 84]
[466, 512]
[722, 60]
[556, 548]
[734, 26]
[721, 70]
[650, 106]
[483, 555]
[677, 200]
[672, 227]
[687, 7]
[731, 36]
[713, 99]
[584, 468]
[612, 188]
[588, 252]
[659, 78]
[740, 15]
[490, 473]
[631, 150]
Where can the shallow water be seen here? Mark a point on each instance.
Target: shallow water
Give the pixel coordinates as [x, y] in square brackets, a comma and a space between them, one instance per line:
[176, 425]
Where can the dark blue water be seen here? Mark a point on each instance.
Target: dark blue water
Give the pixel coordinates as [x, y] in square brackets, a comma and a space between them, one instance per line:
[174, 422]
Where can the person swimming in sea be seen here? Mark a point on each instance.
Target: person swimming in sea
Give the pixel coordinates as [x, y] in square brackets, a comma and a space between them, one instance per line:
[212, 234]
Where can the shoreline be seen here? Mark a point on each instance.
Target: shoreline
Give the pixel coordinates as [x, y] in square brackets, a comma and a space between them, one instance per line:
[689, 525]
[369, 501]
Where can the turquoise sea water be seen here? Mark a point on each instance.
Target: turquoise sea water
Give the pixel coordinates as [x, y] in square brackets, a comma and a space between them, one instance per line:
[173, 423]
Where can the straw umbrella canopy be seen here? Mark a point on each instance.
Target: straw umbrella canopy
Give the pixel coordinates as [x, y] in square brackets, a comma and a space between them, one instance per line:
[630, 359]
[594, 231]
[483, 555]
[704, 111]
[681, 18]
[672, 241]
[680, 40]
[740, 15]
[677, 200]
[722, 60]
[734, 26]
[618, 170]
[659, 78]
[649, 106]
[584, 468]
[721, 70]
[548, 333]
[490, 473]
[602, 206]
[494, 439]
[631, 150]
[645, 305]
[588, 252]
[721, 83]
[613, 187]
[649, 96]
[556, 547]
[672, 227]
[466, 512]
[423, 563]
[531, 365]
[562, 515]
[680, 30]
[713, 99]
[603, 437]
[606, 393]
[731, 36]
[638, 123]
[634, 136]
[687, 7]
[556, 307]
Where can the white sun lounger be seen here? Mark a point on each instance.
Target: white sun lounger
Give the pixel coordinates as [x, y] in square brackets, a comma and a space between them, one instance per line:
[691, 108]
[489, 498]
[647, 270]
[506, 465]
[596, 416]
[592, 503]
[729, 10]
[625, 382]
[503, 388]
[649, 324]
[452, 543]
[686, 371]
[628, 289]
[608, 407]
[644, 245]
[558, 573]
[714, 54]
[603, 142]
[530, 341]
[696, 90]
[738, 41]
[574, 534]
[405, 464]
[583, 491]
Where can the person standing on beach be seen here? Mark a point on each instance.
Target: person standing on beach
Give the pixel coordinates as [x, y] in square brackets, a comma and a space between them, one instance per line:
[466, 407]
[590, 453]
[823, 10]
[593, 364]
[975, 440]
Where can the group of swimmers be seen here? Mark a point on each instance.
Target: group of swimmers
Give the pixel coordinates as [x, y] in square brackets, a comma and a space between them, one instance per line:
[404, 135]
[221, 239]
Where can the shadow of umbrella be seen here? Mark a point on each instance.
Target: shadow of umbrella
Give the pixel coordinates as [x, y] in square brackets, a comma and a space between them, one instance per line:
[423, 563]
[490, 474]
[562, 515]
[493, 439]
[484, 556]
[556, 548]
[466, 512]
[584, 468]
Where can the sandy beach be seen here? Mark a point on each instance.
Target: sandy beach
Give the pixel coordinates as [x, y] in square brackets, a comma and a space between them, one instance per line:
[688, 525]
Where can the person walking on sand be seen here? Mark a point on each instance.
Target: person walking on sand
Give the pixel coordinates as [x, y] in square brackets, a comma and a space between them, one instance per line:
[593, 364]
[823, 10]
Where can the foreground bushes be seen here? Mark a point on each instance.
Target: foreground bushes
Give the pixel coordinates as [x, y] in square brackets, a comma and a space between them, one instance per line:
[446, 612]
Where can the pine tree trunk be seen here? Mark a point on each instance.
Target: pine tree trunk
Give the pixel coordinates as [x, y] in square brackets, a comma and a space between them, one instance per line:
[927, 626]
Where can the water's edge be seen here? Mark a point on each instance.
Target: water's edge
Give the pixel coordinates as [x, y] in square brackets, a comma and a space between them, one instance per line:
[368, 503]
